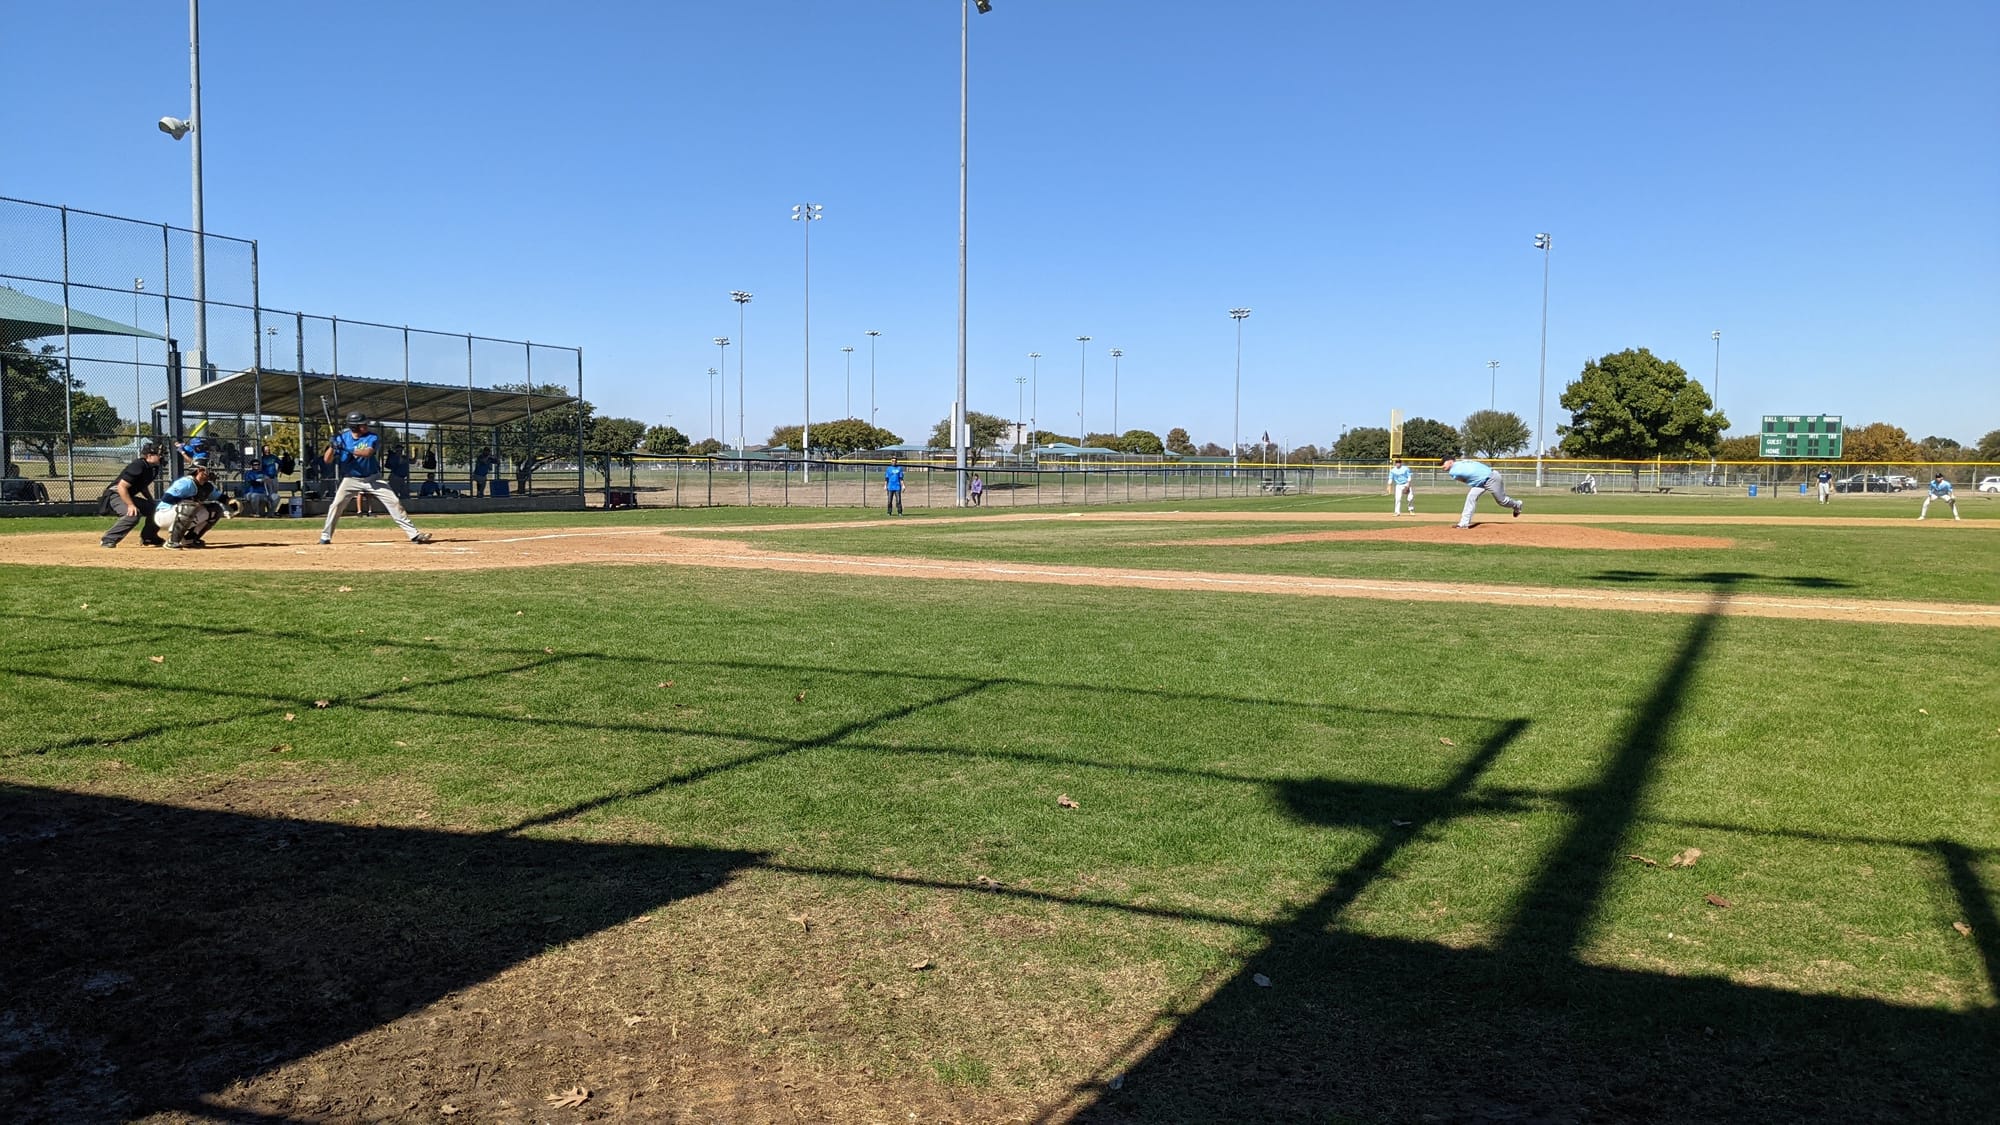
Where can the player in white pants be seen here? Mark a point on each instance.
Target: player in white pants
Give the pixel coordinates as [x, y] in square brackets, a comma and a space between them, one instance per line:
[354, 454]
[1940, 490]
[1401, 488]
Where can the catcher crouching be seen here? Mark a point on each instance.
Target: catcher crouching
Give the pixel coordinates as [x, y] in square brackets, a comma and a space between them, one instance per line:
[190, 506]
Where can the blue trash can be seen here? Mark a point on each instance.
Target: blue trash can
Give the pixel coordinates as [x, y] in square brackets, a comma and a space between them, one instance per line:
[1753, 491]
[499, 489]
[1802, 490]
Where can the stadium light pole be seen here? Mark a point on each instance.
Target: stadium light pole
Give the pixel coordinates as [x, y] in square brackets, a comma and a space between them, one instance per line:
[848, 349]
[872, 337]
[177, 128]
[1493, 390]
[1116, 355]
[1717, 337]
[1082, 368]
[1542, 243]
[722, 349]
[711, 403]
[960, 423]
[1236, 426]
[1020, 382]
[806, 214]
[1034, 399]
[742, 441]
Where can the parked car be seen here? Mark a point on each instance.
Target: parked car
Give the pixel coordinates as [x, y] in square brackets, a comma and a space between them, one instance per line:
[1866, 482]
[1989, 484]
[1903, 482]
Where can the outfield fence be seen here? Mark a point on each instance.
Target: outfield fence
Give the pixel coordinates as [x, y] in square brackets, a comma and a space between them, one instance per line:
[700, 482]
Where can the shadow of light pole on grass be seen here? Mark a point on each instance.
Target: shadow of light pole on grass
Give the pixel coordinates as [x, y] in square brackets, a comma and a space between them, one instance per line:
[1352, 1025]
[154, 954]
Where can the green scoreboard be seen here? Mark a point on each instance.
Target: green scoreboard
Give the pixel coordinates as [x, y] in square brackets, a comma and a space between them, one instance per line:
[1801, 435]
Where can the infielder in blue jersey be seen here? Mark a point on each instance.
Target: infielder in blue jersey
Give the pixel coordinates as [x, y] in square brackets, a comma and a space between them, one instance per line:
[356, 457]
[1478, 477]
[1401, 488]
[1940, 490]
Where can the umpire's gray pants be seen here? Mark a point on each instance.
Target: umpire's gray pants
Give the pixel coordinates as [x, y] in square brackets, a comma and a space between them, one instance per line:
[1494, 485]
[372, 486]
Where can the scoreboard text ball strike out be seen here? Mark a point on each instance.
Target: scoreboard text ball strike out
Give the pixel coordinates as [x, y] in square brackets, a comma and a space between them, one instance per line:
[1801, 435]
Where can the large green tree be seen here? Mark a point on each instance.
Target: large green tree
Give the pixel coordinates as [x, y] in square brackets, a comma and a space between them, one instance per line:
[1363, 443]
[1989, 446]
[615, 436]
[1144, 442]
[987, 430]
[1633, 405]
[35, 415]
[1749, 447]
[1426, 439]
[1937, 448]
[665, 441]
[1178, 441]
[1493, 433]
[842, 435]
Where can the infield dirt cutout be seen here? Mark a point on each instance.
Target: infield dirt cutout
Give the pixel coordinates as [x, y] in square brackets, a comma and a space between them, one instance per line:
[275, 546]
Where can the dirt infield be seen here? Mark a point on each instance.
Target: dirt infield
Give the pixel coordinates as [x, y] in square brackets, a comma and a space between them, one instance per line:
[280, 548]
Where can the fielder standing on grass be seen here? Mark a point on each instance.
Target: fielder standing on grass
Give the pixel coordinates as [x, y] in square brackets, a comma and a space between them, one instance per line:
[1478, 477]
[356, 458]
[1401, 488]
[1825, 479]
[1940, 490]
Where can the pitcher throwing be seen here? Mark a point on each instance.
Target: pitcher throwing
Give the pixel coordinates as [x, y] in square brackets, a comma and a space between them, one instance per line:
[1478, 477]
[356, 455]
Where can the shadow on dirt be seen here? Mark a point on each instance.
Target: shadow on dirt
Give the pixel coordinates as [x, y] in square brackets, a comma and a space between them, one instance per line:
[156, 954]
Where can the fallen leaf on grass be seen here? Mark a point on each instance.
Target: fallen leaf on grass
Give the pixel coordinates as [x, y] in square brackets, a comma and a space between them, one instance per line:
[517, 613]
[1718, 900]
[568, 1099]
[1068, 802]
[989, 882]
[666, 683]
[1260, 980]
[157, 659]
[448, 1109]
[1401, 823]
[430, 638]
[347, 589]
[1685, 857]
[550, 651]
[1447, 742]
[1644, 860]
[1921, 711]
[1962, 928]
[322, 704]
[400, 742]
[282, 748]
[800, 697]
[86, 605]
[289, 716]
[921, 966]
[805, 922]
[631, 1021]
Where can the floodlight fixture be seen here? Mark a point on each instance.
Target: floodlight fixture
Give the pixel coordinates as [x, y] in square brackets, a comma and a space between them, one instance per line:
[175, 127]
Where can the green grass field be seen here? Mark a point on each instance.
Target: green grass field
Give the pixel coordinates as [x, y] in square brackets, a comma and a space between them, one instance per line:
[1329, 860]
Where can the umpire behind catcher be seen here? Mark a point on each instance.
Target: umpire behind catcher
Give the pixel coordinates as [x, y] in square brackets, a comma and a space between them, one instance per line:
[357, 461]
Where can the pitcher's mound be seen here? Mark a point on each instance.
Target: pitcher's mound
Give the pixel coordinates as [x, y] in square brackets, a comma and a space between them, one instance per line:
[1503, 532]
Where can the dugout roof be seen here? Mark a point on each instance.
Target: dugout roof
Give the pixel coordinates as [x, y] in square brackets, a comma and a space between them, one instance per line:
[23, 317]
[385, 401]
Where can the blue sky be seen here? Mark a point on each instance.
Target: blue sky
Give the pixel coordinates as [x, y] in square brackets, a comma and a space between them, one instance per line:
[1820, 182]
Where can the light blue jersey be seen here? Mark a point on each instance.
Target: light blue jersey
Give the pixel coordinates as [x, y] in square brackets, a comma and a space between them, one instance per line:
[1399, 476]
[1940, 487]
[1469, 472]
[186, 489]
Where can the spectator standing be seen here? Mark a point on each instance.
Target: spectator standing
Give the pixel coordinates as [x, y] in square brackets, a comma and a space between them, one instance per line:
[1478, 477]
[135, 499]
[1940, 490]
[978, 490]
[892, 484]
[482, 467]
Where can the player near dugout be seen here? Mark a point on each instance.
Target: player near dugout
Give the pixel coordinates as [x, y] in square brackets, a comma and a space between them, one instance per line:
[1478, 477]
[356, 457]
